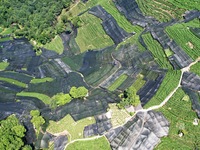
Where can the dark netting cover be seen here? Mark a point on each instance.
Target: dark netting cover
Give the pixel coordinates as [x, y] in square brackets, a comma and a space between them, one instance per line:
[21, 110]
[95, 104]
[190, 15]
[191, 80]
[195, 98]
[195, 31]
[58, 85]
[98, 66]
[132, 12]
[142, 132]
[17, 52]
[179, 59]
[102, 125]
[109, 24]
[60, 142]
[149, 89]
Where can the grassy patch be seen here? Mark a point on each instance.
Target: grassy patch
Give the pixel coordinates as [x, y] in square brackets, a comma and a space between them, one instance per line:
[12, 81]
[46, 99]
[47, 79]
[139, 83]
[96, 144]
[160, 9]
[196, 68]
[119, 116]
[157, 51]
[3, 65]
[133, 40]
[92, 35]
[168, 84]
[117, 82]
[180, 115]
[186, 4]
[55, 45]
[7, 31]
[109, 6]
[168, 52]
[75, 62]
[185, 38]
[5, 39]
[75, 129]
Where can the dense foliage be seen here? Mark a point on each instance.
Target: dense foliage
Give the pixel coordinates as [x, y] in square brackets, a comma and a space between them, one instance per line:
[61, 98]
[129, 97]
[79, 92]
[34, 19]
[37, 120]
[11, 134]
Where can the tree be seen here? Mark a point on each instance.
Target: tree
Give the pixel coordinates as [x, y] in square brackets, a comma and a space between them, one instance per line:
[79, 92]
[82, 91]
[129, 97]
[61, 98]
[73, 92]
[37, 120]
[11, 133]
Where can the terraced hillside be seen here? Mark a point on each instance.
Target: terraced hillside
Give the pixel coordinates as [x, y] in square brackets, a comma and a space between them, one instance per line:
[118, 74]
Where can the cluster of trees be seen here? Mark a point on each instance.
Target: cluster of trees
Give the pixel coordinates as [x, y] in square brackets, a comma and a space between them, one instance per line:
[79, 92]
[62, 99]
[12, 134]
[35, 19]
[37, 120]
[129, 97]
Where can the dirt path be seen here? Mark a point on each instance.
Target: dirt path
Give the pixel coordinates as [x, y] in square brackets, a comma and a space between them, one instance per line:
[85, 139]
[172, 93]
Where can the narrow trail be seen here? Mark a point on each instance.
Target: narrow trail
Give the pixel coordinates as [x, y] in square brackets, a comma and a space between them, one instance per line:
[85, 139]
[172, 93]
[150, 108]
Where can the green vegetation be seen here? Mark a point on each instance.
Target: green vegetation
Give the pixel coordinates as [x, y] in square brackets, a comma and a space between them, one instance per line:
[180, 115]
[133, 40]
[32, 19]
[75, 62]
[12, 134]
[96, 144]
[6, 33]
[157, 51]
[129, 97]
[139, 82]
[109, 6]
[160, 9]
[168, 52]
[186, 4]
[117, 82]
[55, 45]
[79, 92]
[67, 124]
[118, 116]
[91, 34]
[3, 65]
[37, 120]
[168, 84]
[61, 99]
[185, 38]
[196, 68]
[36, 80]
[12, 81]
[46, 99]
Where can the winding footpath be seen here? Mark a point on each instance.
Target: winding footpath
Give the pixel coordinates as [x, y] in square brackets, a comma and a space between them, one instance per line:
[186, 69]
